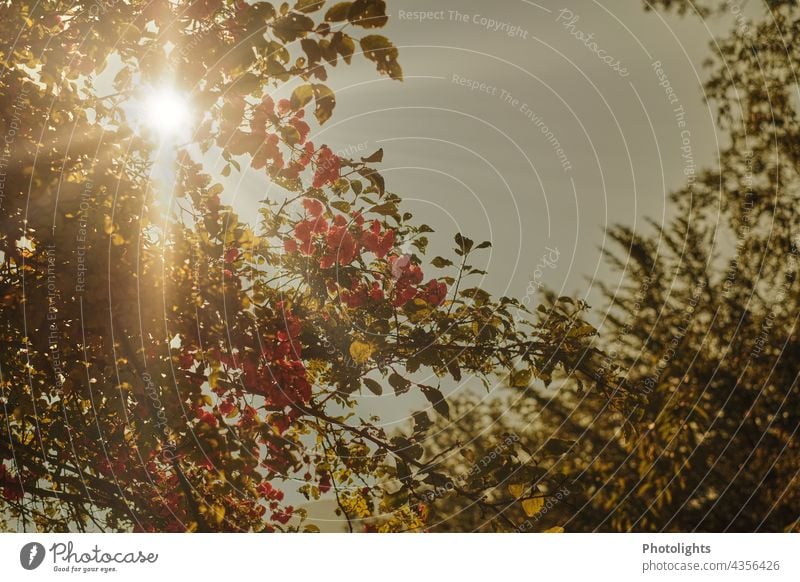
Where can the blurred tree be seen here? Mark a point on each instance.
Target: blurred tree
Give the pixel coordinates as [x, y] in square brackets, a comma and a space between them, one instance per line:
[705, 326]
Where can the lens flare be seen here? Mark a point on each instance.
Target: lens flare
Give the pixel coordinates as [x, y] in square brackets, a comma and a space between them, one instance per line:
[164, 111]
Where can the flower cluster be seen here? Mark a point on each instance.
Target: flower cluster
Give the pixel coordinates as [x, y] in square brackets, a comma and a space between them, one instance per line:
[278, 374]
[360, 293]
[272, 497]
[339, 242]
[336, 243]
[342, 240]
[408, 277]
[272, 125]
[275, 372]
[328, 166]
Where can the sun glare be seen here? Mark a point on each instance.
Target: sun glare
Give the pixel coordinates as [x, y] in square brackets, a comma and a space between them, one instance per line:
[165, 112]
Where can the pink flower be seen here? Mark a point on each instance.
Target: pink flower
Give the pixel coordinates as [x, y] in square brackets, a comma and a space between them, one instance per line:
[378, 243]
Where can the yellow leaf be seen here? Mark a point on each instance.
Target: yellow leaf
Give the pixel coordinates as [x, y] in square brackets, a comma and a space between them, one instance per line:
[581, 331]
[520, 379]
[360, 351]
[217, 513]
[532, 506]
[556, 529]
[516, 489]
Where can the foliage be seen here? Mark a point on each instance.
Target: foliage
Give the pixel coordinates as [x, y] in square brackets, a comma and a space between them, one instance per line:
[708, 329]
[705, 326]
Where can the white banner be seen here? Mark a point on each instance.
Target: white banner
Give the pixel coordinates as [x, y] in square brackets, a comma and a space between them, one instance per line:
[460, 557]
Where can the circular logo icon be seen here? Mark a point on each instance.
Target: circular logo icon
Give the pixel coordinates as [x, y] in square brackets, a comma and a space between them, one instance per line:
[31, 555]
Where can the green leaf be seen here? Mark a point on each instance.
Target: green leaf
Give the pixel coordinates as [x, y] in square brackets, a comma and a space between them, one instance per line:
[396, 500]
[368, 13]
[436, 479]
[308, 5]
[290, 135]
[400, 384]
[581, 331]
[301, 96]
[422, 421]
[383, 53]
[464, 244]
[264, 10]
[477, 294]
[373, 386]
[441, 262]
[123, 79]
[338, 12]
[437, 400]
[344, 44]
[421, 243]
[407, 447]
[455, 371]
[385, 209]
[312, 50]
[373, 158]
[403, 472]
[325, 102]
[341, 205]
[528, 474]
[520, 378]
[375, 179]
[292, 26]
[329, 52]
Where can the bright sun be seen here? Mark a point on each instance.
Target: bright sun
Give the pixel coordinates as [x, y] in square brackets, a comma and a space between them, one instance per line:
[165, 112]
